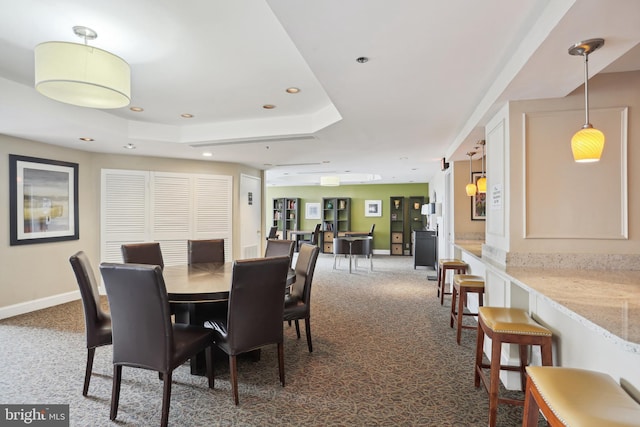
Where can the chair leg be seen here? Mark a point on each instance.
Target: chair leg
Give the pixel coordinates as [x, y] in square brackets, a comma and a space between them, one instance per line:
[166, 398]
[281, 362]
[307, 327]
[115, 391]
[297, 328]
[454, 297]
[87, 373]
[233, 371]
[208, 354]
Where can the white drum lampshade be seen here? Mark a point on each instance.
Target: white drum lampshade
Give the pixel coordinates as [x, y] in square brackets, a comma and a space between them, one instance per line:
[82, 75]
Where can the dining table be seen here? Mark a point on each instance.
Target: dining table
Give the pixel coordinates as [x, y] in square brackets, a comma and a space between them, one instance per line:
[196, 290]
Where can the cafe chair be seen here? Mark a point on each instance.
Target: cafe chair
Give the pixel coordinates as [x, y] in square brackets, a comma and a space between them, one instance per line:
[340, 247]
[143, 334]
[314, 237]
[97, 322]
[280, 248]
[211, 250]
[142, 253]
[255, 312]
[273, 233]
[297, 304]
[362, 248]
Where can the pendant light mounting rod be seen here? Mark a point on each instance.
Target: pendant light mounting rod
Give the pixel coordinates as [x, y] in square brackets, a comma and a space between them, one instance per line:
[584, 48]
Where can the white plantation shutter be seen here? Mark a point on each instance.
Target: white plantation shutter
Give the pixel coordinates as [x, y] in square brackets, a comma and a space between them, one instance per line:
[170, 208]
[212, 211]
[124, 212]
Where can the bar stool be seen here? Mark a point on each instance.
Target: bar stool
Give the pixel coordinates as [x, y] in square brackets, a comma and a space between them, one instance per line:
[464, 284]
[510, 326]
[456, 265]
[577, 397]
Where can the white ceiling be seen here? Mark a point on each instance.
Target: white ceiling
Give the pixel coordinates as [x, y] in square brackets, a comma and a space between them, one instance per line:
[437, 70]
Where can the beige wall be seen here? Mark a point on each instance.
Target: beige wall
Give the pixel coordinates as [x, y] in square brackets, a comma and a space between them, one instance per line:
[586, 199]
[41, 271]
[464, 227]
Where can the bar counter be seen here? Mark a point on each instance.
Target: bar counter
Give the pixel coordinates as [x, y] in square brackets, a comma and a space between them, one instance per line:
[605, 301]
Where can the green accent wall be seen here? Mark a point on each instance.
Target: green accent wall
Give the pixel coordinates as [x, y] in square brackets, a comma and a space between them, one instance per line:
[358, 194]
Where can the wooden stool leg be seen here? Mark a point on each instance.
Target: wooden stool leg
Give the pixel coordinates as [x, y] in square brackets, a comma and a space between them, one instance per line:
[531, 409]
[454, 295]
[444, 283]
[479, 353]
[523, 350]
[461, 304]
[439, 280]
[494, 380]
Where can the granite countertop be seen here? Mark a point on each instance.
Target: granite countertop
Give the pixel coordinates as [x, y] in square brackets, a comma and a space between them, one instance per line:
[606, 301]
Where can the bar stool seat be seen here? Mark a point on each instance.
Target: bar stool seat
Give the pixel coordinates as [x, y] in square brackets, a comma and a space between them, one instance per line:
[511, 326]
[577, 397]
[464, 284]
[456, 265]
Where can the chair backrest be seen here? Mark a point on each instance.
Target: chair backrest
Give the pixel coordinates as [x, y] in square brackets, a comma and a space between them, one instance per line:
[305, 267]
[273, 233]
[340, 246]
[280, 248]
[371, 231]
[211, 250]
[95, 318]
[361, 247]
[142, 253]
[140, 315]
[314, 236]
[256, 303]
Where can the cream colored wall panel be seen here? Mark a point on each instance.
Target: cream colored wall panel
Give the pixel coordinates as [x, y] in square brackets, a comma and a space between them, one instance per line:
[569, 200]
[497, 148]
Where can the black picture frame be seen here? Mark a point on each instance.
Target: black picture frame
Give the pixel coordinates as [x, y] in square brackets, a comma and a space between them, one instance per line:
[43, 200]
[478, 201]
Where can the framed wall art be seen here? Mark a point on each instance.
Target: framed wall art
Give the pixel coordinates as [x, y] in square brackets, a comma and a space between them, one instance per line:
[312, 210]
[43, 200]
[373, 208]
[478, 201]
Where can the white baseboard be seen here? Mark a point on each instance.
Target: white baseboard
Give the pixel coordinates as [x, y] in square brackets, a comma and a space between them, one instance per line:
[38, 304]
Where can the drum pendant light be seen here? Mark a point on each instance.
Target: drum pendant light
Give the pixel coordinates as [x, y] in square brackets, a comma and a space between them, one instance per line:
[587, 144]
[471, 187]
[82, 75]
[482, 182]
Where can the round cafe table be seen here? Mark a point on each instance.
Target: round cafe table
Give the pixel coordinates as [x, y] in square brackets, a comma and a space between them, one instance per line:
[197, 290]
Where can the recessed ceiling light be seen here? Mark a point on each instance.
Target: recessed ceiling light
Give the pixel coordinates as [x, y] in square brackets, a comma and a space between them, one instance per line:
[362, 59]
[207, 154]
[129, 146]
[186, 116]
[268, 106]
[293, 90]
[136, 109]
[86, 139]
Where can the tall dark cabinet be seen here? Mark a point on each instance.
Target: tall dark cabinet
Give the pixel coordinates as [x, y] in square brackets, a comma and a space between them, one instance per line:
[425, 248]
[336, 218]
[396, 225]
[286, 215]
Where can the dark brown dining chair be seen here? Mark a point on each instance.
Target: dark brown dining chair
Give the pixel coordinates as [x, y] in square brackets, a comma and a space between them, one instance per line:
[273, 233]
[280, 248]
[97, 322]
[143, 334]
[255, 312]
[142, 253]
[313, 240]
[211, 250]
[297, 304]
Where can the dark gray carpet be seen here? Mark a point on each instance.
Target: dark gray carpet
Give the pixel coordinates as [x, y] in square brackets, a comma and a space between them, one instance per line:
[384, 355]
